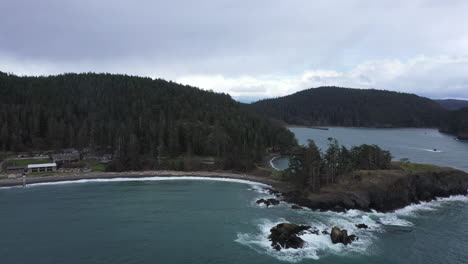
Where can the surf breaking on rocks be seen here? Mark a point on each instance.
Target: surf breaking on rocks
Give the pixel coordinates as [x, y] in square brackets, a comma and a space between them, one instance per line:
[317, 246]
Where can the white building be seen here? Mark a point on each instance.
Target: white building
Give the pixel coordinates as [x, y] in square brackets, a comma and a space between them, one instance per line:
[43, 167]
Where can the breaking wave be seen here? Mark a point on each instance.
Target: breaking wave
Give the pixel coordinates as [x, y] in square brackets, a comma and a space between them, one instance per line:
[157, 178]
[317, 246]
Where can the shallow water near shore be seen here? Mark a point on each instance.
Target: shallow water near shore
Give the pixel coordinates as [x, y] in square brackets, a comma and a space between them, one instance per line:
[200, 221]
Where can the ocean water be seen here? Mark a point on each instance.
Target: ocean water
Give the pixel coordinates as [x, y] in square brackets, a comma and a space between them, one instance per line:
[207, 221]
[199, 220]
[419, 145]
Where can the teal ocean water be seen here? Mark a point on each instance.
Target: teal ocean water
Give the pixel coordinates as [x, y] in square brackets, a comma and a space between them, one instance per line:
[208, 221]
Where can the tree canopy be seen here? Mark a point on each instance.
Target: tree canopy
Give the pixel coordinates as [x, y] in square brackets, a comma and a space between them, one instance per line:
[457, 123]
[310, 169]
[144, 122]
[335, 106]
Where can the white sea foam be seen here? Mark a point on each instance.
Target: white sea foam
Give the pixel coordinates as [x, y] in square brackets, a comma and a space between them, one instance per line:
[320, 245]
[410, 210]
[260, 189]
[260, 243]
[315, 245]
[174, 178]
[264, 193]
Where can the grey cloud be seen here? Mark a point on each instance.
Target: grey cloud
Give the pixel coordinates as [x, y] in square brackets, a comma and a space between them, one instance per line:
[173, 39]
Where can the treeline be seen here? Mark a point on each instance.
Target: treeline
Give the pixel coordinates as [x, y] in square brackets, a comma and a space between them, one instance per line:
[310, 169]
[335, 106]
[457, 123]
[145, 123]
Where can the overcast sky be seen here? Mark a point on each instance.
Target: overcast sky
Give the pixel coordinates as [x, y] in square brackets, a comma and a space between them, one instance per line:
[249, 49]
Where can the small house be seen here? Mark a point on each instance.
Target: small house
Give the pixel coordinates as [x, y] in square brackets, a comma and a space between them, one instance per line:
[43, 167]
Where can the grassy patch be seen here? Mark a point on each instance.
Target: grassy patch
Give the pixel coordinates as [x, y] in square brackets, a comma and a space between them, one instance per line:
[96, 166]
[415, 167]
[274, 173]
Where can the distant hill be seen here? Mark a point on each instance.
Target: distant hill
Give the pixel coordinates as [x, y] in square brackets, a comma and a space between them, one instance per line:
[457, 123]
[141, 120]
[452, 104]
[335, 106]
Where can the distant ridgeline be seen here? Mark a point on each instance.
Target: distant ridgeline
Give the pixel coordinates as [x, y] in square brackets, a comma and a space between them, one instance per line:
[452, 104]
[457, 123]
[334, 106]
[146, 123]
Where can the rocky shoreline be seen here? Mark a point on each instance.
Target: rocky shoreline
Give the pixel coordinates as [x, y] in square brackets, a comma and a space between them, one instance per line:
[383, 190]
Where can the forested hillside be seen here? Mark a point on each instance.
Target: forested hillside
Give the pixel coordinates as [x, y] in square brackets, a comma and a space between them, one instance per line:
[452, 104]
[457, 123]
[146, 123]
[334, 106]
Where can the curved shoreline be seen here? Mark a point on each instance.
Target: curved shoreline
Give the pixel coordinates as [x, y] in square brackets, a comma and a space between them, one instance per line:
[273, 165]
[383, 191]
[128, 176]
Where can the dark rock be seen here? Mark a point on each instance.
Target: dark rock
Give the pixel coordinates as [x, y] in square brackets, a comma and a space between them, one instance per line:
[362, 226]
[268, 202]
[383, 190]
[273, 201]
[285, 235]
[272, 191]
[315, 231]
[341, 236]
[339, 209]
[297, 207]
[325, 232]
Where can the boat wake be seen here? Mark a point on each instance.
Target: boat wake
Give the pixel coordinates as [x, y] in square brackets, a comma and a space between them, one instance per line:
[432, 150]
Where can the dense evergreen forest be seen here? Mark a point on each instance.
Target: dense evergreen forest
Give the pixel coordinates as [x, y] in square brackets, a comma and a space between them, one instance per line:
[335, 106]
[145, 123]
[311, 169]
[457, 123]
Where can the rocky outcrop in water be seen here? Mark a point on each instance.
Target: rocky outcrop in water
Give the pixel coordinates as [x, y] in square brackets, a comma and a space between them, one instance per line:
[338, 235]
[273, 192]
[364, 226]
[268, 202]
[286, 235]
[383, 190]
